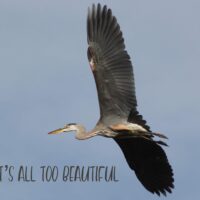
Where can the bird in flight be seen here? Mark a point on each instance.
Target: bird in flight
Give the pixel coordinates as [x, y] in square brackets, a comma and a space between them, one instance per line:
[119, 118]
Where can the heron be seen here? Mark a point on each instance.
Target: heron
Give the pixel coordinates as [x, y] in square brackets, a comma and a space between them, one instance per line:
[119, 119]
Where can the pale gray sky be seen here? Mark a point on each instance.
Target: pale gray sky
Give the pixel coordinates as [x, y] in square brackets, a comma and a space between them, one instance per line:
[45, 82]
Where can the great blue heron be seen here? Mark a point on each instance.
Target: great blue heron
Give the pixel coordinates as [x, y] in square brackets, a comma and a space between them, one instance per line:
[119, 118]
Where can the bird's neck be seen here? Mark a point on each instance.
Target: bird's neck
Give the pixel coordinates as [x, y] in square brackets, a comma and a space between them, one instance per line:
[80, 132]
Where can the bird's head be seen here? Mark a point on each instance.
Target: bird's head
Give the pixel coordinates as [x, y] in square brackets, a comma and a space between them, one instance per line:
[67, 128]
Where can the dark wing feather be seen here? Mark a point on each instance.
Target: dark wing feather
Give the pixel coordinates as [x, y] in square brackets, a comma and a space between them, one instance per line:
[113, 71]
[149, 162]
[136, 118]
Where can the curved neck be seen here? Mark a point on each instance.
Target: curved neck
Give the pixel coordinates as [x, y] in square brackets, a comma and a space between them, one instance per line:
[81, 133]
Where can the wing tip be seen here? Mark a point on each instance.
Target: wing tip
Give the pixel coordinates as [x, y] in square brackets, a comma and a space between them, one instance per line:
[99, 21]
[163, 191]
[150, 163]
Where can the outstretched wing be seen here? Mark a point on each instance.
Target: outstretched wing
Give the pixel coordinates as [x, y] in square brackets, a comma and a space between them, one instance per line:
[149, 162]
[110, 63]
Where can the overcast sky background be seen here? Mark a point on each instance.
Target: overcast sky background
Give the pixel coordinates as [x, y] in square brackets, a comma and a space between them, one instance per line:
[45, 82]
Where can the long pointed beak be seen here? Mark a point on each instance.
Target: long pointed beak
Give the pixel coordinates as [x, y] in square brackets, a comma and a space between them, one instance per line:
[60, 130]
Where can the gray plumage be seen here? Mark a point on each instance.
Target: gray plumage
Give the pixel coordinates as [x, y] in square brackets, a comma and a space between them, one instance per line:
[113, 69]
[119, 118]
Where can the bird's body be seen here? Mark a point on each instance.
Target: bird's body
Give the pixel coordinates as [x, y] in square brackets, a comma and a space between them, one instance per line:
[119, 118]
